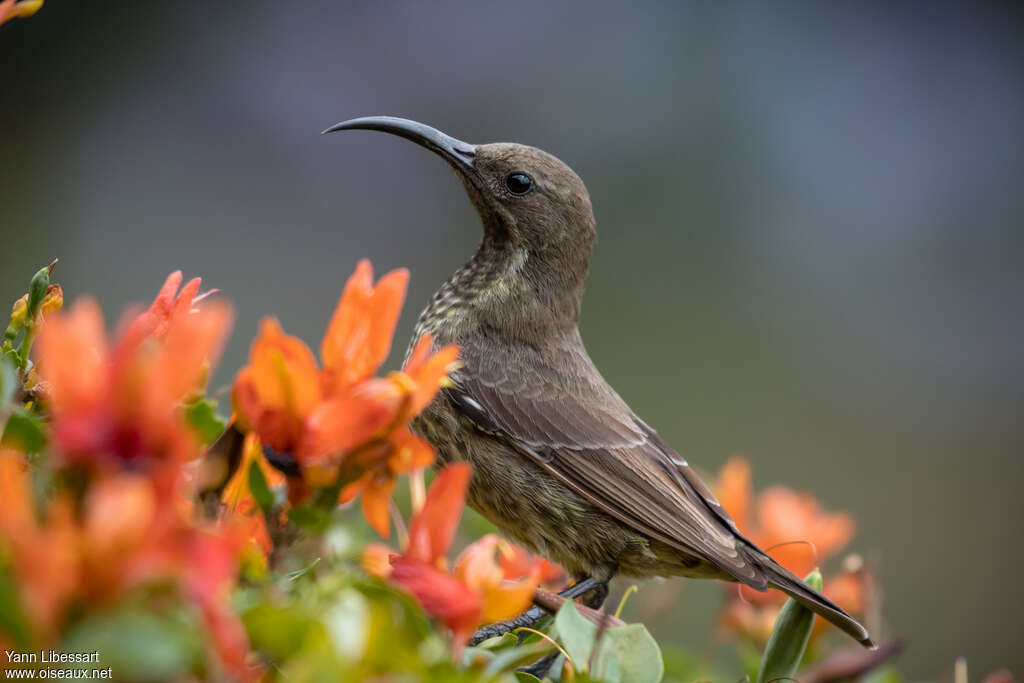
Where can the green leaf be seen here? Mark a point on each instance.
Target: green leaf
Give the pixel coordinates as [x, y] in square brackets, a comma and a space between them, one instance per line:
[476, 656]
[24, 432]
[502, 642]
[299, 573]
[281, 631]
[506, 660]
[789, 638]
[576, 634]
[202, 417]
[310, 517]
[12, 356]
[8, 379]
[523, 677]
[628, 653]
[12, 620]
[260, 490]
[139, 645]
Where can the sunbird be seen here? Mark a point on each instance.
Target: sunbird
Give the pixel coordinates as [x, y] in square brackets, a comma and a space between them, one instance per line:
[561, 464]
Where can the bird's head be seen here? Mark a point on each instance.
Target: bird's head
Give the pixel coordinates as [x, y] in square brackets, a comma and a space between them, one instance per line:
[534, 208]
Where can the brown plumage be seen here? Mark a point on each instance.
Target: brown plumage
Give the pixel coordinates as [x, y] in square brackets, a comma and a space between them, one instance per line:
[561, 463]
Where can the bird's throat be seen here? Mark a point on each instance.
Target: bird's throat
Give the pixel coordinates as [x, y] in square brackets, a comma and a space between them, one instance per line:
[501, 289]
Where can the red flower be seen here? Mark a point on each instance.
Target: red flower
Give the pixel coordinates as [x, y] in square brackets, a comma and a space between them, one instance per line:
[118, 408]
[124, 402]
[479, 589]
[43, 552]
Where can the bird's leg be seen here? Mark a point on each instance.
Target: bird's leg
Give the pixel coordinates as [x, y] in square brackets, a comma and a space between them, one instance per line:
[597, 596]
[532, 616]
[541, 666]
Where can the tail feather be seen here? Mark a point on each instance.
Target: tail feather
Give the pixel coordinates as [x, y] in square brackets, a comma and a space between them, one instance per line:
[787, 582]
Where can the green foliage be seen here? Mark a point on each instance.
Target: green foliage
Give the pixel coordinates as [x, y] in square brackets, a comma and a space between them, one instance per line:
[789, 638]
[203, 419]
[260, 489]
[8, 378]
[24, 431]
[26, 315]
[505, 653]
[12, 620]
[328, 623]
[36, 291]
[310, 613]
[621, 654]
[140, 644]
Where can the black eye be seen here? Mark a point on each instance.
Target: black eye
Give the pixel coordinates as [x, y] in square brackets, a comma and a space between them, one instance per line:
[518, 183]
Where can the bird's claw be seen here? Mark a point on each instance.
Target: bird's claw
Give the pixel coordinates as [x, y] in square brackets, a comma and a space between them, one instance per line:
[527, 619]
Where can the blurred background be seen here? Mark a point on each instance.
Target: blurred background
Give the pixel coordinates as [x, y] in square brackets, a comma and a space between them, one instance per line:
[810, 243]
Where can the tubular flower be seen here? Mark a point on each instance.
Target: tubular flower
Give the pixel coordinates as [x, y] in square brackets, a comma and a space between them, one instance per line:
[279, 388]
[42, 554]
[339, 419]
[479, 589]
[797, 533]
[116, 406]
[358, 338]
[238, 499]
[395, 449]
[9, 9]
[517, 561]
[123, 402]
[784, 520]
[131, 531]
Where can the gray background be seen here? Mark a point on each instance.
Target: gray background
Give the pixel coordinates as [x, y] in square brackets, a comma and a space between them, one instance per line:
[809, 218]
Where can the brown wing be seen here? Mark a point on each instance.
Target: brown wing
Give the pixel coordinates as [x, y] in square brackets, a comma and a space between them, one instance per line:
[555, 407]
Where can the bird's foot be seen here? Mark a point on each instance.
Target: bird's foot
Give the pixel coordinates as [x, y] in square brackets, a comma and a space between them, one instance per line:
[541, 667]
[528, 619]
[596, 596]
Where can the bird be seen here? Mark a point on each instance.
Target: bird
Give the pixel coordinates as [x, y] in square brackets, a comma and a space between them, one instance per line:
[561, 463]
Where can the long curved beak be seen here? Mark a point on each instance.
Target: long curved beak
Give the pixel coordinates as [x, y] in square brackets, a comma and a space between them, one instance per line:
[456, 152]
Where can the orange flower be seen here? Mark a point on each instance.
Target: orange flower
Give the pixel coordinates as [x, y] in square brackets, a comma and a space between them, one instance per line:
[120, 513]
[132, 531]
[517, 561]
[785, 519]
[785, 516]
[358, 337]
[756, 620]
[43, 553]
[340, 415]
[479, 589]
[408, 392]
[124, 402]
[209, 581]
[239, 502]
[110, 403]
[753, 622]
[279, 388]
[503, 595]
[376, 560]
[9, 9]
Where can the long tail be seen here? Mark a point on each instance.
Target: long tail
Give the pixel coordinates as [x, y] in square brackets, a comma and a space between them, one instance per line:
[787, 582]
